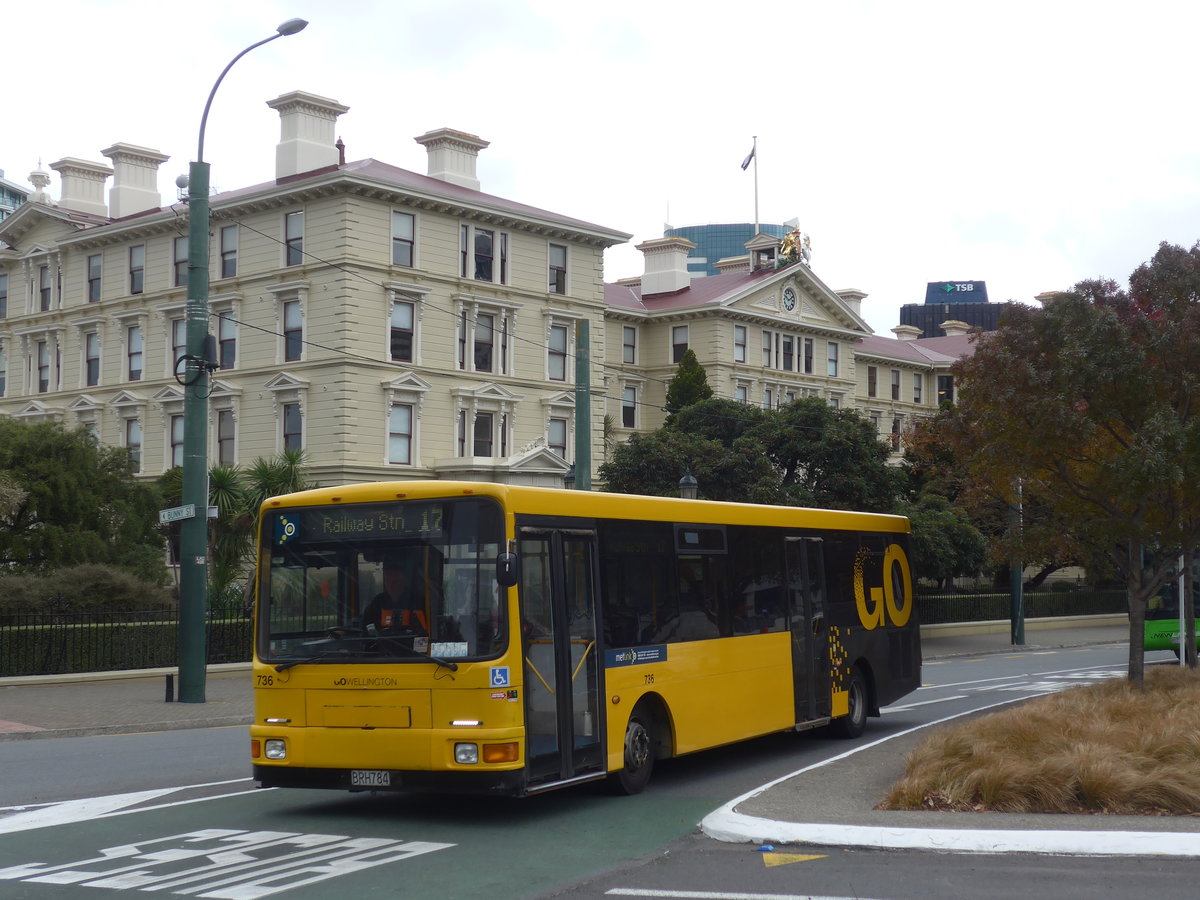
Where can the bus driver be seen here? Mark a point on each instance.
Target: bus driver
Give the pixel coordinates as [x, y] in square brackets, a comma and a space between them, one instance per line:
[397, 608]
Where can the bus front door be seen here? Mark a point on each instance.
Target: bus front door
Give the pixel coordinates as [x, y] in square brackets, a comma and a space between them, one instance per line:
[562, 666]
[806, 600]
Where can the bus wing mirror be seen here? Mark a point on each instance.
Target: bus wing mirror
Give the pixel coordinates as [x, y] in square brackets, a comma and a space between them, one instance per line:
[506, 569]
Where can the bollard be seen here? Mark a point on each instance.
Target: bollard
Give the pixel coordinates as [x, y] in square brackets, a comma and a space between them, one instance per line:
[170, 688]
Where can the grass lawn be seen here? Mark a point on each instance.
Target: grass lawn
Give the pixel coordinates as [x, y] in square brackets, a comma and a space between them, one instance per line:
[1102, 748]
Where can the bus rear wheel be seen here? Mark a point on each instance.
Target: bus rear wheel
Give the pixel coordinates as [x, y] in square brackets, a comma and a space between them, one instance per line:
[854, 722]
[639, 754]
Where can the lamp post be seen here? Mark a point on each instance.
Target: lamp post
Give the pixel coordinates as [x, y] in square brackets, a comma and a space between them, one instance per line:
[193, 537]
[689, 487]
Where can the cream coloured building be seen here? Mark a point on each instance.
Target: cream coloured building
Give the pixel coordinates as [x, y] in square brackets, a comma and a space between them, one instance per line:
[765, 334]
[397, 324]
[392, 324]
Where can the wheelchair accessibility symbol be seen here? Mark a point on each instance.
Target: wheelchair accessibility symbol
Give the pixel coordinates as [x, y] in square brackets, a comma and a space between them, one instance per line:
[499, 676]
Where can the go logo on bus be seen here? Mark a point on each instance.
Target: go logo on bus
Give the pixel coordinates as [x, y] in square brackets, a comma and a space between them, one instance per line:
[883, 604]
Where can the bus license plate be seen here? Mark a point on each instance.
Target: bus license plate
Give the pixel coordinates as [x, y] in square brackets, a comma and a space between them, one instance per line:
[370, 778]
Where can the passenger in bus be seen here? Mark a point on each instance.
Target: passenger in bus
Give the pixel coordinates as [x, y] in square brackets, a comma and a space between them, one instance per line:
[397, 608]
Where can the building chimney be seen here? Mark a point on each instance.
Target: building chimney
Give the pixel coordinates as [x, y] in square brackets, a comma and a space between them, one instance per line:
[306, 140]
[1047, 297]
[666, 265]
[907, 332]
[853, 298]
[955, 327]
[135, 179]
[82, 185]
[452, 156]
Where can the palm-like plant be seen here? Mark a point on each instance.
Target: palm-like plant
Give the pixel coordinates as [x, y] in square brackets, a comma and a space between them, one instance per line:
[237, 493]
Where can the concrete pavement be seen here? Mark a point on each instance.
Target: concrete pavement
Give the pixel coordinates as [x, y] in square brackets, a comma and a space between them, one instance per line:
[831, 803]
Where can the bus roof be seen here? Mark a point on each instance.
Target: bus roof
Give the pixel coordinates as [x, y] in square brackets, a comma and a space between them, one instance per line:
[536, 501]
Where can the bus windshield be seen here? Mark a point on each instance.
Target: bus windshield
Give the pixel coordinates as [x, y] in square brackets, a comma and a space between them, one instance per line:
[402, 581]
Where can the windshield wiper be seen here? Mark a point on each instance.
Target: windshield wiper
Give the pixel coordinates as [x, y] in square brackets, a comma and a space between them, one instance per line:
[324, 654]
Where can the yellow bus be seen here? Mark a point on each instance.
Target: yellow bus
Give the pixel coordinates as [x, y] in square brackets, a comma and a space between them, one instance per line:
[490, 638]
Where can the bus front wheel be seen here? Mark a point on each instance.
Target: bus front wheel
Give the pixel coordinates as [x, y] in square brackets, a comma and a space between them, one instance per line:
[854, 722]
[639, 754]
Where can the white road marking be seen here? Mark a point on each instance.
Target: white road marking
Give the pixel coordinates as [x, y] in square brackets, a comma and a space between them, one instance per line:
[67, 812]
[716, 895]
[726, 824]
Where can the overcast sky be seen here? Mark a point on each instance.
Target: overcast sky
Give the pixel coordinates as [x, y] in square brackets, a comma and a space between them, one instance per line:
[1025, 144]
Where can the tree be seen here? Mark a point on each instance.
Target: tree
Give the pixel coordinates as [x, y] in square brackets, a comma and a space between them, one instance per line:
[945, 543]
[829, 457]
[805, 454]
[1086, 408]
[933, 469]
[688, 386]
[69, 500]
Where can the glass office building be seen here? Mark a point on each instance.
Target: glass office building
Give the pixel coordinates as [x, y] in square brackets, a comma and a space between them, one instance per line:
[717, 242]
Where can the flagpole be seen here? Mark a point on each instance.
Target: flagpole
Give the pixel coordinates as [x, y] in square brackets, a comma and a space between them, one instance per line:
[753, 158]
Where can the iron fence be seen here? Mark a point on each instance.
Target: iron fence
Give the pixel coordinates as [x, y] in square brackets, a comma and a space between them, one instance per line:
[939, 608]
[50, 643]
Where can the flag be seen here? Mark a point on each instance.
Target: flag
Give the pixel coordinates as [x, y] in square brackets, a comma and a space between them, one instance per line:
[746, 162]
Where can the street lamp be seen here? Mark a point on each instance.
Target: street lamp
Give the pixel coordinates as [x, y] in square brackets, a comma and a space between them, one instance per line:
[193, 537]
[689, 487]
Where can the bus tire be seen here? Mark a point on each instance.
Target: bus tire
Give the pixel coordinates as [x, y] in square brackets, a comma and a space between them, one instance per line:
[638, 755]
[854, 722]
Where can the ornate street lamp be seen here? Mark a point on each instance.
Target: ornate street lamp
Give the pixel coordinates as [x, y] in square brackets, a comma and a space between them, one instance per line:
[689, 487]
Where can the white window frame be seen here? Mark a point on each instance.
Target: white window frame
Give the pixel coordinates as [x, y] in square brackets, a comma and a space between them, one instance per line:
[293, 245]
[740, 337]
[292, 291]
[404, 390]
[414, 295]
[287, 389]
[469, 404]
[672, 334]
[408, 436]
[179, 261]
[401, 240]
[501, 254]
[629, 344]
[218, 414]
[561, 407]
[225, 254]
[561, 284]
[225, 310]
[467, 309]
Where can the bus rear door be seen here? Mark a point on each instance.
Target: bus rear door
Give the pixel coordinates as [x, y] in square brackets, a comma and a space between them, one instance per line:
[806, 600]
[562, 667]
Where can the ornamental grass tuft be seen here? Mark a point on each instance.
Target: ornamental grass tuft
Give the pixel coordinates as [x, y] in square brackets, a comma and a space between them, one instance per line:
[1103, 748]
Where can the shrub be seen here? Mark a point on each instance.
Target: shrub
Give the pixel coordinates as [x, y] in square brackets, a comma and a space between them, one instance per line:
[84, 588]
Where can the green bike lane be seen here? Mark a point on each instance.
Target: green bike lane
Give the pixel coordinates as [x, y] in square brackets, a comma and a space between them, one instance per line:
[299, 844]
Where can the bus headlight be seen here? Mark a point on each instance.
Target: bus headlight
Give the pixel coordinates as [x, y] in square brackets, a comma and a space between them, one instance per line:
[275, 749]
[466, 754]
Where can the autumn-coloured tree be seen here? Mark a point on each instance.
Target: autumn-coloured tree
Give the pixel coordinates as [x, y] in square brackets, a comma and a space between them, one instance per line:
[1087, 409]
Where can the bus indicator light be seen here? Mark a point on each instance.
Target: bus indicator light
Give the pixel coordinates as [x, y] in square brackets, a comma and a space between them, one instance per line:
[501, 753]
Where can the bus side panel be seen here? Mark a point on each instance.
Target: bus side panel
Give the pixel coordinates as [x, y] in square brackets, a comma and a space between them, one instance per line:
[864, 628]
[716, 692]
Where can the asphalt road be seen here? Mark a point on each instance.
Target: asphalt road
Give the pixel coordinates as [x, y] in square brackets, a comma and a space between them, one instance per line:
[174, 813]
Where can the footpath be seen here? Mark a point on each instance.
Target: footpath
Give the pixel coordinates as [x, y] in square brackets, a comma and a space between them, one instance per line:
[828, 804]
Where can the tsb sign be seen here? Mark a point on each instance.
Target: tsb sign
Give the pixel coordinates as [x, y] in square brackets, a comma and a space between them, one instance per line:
[893, 600]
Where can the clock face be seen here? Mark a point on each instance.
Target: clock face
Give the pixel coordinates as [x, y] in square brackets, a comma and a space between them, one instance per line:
[789, 299]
